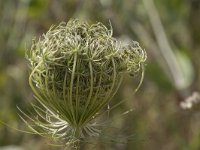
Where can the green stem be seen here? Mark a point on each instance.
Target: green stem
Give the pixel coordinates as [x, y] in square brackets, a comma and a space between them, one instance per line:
[76, 142]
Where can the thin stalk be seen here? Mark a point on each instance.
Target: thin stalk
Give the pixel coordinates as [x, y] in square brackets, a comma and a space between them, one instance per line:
[90, 93]
[163, 43]
[76, 143]
[71, 88]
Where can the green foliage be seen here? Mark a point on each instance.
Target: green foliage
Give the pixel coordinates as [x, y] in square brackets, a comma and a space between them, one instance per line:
[156, 118]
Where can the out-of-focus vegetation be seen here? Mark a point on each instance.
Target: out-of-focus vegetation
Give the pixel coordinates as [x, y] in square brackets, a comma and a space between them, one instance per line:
[170, 33]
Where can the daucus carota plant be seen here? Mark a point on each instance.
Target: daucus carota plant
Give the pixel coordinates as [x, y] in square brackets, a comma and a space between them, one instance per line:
[76, 69]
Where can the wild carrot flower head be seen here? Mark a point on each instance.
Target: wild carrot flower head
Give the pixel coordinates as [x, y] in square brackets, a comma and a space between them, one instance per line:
[76, 69]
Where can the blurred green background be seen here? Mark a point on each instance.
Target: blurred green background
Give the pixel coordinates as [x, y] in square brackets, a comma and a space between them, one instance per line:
[166, 113]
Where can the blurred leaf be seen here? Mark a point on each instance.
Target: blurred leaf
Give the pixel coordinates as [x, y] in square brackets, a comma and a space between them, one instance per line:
[37, 7]
[155, 73]
[3, 79]
[186, 67]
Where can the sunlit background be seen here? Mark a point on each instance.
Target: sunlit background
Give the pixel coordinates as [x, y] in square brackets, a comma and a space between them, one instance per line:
[163, 115]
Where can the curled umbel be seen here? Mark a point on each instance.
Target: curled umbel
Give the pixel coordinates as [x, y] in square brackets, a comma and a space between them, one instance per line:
[76, 69]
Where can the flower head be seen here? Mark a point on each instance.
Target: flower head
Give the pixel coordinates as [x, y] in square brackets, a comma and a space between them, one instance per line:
[76, 69]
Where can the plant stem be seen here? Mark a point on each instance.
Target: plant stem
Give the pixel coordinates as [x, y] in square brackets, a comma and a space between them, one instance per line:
[76, 144]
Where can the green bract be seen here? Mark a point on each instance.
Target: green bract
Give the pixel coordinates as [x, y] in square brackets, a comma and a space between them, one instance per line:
[76, 70]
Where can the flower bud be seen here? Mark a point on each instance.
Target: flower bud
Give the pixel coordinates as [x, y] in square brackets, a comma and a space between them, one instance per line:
[76, 69]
